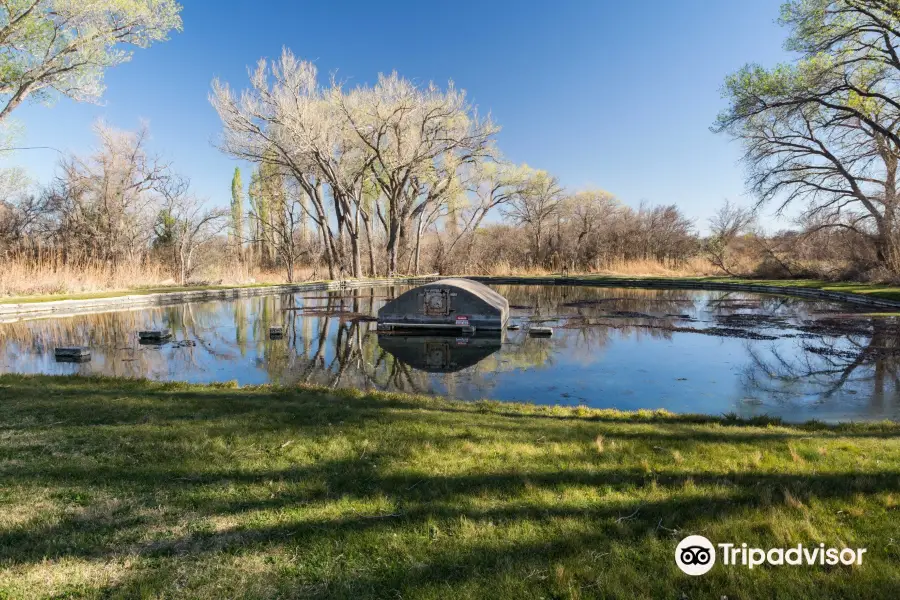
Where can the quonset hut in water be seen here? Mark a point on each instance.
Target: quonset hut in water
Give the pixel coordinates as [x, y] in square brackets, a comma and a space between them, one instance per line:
[454, 304]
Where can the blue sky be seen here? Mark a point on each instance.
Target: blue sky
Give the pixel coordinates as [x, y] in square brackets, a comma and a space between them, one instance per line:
[615, 95]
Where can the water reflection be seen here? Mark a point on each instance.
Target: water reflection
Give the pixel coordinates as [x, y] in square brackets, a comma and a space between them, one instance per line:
[439, 354]
[687, 351]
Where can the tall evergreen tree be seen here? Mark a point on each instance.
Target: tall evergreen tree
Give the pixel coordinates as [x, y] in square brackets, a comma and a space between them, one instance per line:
[237, 212]
[260, 216]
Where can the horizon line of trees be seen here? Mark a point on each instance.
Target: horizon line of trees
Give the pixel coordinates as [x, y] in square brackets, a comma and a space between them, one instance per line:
[398, 177]
[371, 179]
[122, 205]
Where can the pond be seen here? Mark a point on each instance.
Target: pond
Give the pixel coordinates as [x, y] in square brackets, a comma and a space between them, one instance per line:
[681, 350]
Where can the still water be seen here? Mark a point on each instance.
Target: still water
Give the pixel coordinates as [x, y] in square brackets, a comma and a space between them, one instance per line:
[682, 350]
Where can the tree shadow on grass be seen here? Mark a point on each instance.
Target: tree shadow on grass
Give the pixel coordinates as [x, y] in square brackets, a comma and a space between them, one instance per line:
[618, 529]
[636, 511]
[100, 401]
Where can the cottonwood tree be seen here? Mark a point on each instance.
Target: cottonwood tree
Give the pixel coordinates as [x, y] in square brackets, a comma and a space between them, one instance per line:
[535, 207]
[278, 122]
[410, 142]
[825, 131]
[64, 46]
[419, 139]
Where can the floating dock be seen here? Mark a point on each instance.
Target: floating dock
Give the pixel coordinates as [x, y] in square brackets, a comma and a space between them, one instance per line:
[448, 304]
[72, 354]
[154, 336]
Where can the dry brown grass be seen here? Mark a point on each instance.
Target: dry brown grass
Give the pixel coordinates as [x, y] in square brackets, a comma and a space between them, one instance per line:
[26, 278]
[694, 267]
[50, 275]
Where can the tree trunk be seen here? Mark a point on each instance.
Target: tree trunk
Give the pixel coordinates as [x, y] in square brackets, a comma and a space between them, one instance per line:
[289, 266]
[356, 257]
[329, 259]
[393, 231]
[418, 244]
[368, 227]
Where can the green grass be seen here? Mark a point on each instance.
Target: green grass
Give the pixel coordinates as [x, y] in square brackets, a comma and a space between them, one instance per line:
[877, 290]
[122, 488]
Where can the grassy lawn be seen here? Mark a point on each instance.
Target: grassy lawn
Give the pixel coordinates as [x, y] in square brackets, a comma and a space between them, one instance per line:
[877, 290]
[120, 488]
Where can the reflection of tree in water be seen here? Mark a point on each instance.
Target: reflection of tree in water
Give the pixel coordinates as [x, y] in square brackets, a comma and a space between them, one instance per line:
[774, 308]
[830, 357]
[328, 342]
[324, 342]
[550, 300]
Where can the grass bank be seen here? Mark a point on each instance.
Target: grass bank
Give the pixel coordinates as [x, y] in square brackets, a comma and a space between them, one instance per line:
[121, 488]
[875, 290]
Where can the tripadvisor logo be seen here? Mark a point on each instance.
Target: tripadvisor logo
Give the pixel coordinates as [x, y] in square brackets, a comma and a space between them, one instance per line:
[695, 555]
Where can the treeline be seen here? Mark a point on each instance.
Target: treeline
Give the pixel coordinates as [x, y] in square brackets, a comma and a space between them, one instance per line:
[120, 206]
[399, 178]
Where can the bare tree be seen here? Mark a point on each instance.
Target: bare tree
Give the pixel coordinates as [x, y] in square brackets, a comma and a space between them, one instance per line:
[729, 222]
[20, 207]
[281, 121]
[825, 131]
[488, 184]
[104, 205]
[535, 207]
[191, 224]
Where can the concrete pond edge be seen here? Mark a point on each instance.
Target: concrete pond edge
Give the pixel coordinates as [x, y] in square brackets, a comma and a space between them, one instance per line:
[64, 308]
[59, 308]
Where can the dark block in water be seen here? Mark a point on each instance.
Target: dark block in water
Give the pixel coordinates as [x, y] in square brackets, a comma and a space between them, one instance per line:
[154, 335]
[439, 354]
[540, 331]
[276, 332]
[72, 354]
[446, 304]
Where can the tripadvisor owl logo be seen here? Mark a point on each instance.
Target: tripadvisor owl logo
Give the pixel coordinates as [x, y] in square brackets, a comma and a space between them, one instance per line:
[695, 555]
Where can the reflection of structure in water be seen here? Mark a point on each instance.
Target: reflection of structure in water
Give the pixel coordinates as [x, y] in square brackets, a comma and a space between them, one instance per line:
[439, 354]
